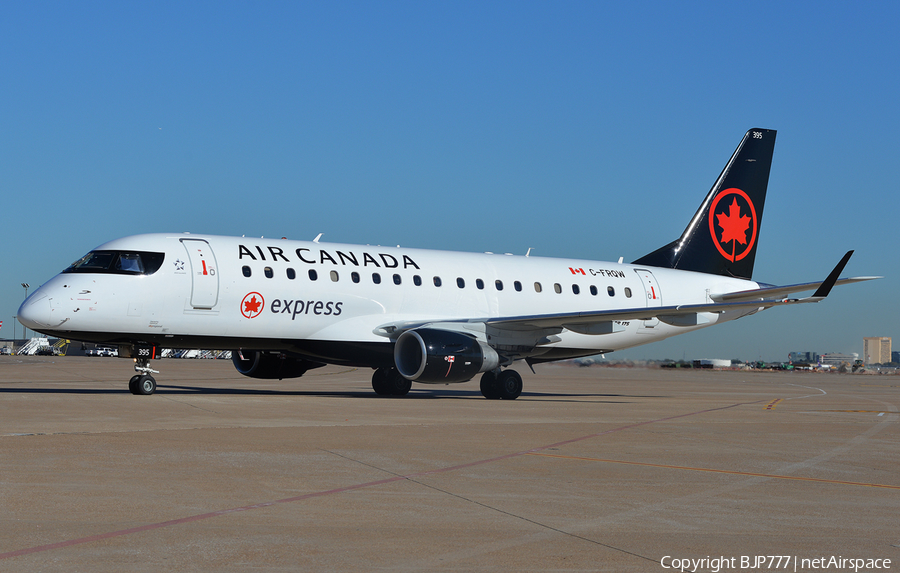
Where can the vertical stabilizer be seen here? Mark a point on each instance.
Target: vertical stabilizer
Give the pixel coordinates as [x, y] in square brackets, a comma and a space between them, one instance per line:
[724, 232]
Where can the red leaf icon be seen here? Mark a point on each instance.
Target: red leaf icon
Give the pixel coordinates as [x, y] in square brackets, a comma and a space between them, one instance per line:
[734, 226]
[251, 306]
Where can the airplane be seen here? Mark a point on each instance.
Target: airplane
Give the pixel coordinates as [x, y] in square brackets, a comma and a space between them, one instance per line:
[435, 317]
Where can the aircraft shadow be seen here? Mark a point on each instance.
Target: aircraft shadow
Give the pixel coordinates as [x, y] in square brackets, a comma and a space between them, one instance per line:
[415, 394]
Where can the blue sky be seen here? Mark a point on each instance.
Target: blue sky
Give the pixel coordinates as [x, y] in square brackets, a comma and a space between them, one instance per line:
[580, 129]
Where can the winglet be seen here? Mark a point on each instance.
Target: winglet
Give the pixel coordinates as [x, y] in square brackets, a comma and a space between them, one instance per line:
[826, 286]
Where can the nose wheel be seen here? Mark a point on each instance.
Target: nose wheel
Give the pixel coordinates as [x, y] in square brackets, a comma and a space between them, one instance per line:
[142, 383]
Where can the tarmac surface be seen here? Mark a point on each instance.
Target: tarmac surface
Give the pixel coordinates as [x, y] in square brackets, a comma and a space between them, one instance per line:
[591, 469]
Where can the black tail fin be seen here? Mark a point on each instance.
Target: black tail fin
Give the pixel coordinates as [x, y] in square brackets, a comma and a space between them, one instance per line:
[722, 237]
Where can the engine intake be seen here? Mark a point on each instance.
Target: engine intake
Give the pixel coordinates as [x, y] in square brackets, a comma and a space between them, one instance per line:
[271, 365]
[442, 356]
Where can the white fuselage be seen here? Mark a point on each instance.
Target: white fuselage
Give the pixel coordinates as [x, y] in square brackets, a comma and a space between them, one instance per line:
[238, 292]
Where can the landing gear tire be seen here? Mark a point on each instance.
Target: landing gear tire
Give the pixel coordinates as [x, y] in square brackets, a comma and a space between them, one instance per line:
[490, 388]
[142, 384]
[509, 384]
[380, 382]
[145, 385]
[399, 385]
[389, 382]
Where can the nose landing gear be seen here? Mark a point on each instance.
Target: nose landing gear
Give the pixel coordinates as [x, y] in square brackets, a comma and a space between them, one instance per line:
[142, 384]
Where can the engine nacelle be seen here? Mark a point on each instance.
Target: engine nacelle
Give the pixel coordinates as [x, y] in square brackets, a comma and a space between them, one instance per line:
[442, 356]
[271, 365]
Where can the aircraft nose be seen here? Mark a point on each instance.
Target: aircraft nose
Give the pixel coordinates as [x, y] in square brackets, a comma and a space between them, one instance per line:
[35, 311]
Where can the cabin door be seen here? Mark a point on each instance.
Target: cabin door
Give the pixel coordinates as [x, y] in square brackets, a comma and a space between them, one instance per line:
[653, 296]
[204, 273]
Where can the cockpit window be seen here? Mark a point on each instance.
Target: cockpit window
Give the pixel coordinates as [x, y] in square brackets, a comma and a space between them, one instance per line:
[130, 263]
[96, 261]
[118, 263]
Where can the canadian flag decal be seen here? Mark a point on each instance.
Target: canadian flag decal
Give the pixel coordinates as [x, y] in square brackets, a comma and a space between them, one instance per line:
[449, 359]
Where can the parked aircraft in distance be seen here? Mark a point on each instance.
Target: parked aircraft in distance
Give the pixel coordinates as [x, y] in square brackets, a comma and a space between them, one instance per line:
[416, 315]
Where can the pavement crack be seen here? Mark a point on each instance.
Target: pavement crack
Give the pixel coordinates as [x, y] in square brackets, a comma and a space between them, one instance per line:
[171, 399]
[492, 508]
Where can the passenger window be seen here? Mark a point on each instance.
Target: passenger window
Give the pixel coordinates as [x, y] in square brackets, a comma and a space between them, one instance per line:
[610, 291]
[479, 284]
[334, 276]
[576, 289]
[268, 272]
[557, 287]
[291, 274]
[397, 279]
[593, 290]
[437, 281]
[518, 286]
[376, 278]
[313, 275]
[461, 282]
[417, 280]
[627, 292]
[246, 270]
[354, 276]
[538, 287]
[499, 284]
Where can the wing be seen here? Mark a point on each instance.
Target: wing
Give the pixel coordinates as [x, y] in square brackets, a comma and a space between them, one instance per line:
[539, 326]
[822, 288]
[602, 322]
[781, 291]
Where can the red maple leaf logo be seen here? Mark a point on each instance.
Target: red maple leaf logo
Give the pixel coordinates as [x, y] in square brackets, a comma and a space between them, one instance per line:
[734, 226]
[252, 305]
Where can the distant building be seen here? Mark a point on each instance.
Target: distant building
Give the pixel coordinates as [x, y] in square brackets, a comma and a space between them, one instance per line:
[895, 356]
[837, 358]
[803, 358]
[877, 350]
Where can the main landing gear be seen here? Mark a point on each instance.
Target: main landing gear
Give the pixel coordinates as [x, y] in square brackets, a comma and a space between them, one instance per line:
[142, 384]
[389, 382]
[505, 385]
